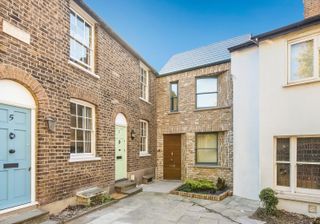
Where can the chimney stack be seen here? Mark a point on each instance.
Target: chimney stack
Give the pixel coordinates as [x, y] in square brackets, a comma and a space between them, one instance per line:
[311, 8]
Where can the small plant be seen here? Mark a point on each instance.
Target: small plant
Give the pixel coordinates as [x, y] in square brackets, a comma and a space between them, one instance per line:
[101, 199]
[269, 200]
[221, 184]
[197, 185]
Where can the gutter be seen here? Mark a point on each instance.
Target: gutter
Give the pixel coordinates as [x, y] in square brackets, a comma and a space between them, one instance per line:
[315, 20]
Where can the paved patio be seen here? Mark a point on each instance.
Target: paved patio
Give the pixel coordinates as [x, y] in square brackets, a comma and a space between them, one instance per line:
[155, 206]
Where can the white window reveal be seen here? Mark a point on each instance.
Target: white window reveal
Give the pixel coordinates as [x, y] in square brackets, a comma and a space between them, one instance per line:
[206, 92]
[82, 130]
[304, 60]
[144, 136]
[298, 164]
[81, 41]
[144, 83]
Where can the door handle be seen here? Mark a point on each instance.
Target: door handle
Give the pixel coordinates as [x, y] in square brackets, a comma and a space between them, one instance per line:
[171, 153]
[11, 151]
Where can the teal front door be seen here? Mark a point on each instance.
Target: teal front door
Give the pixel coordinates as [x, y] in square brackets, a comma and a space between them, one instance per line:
[15, 156]
[121, 152]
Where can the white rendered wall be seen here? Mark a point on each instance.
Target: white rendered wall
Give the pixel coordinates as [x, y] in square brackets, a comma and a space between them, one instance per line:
[245, 72]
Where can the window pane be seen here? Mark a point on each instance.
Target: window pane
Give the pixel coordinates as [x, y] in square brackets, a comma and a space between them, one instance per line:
[88, 124]
[73, 147]
[174, 104]
[78, 52]
[80, 147]
[174, 89]
[72, 24]
[308, 176]
[283, 149]
[87, 40]
[87, 147]
[81, 122]
[308, 149]
[283, 174]
[79, 135]
[73, 108]
[73, 121]
[205, 85]
[87, 136]
[206, 141]
[301, 60]
[88, 112]
[80, 30]
[73, 135]
[206, 100]
[207, 156]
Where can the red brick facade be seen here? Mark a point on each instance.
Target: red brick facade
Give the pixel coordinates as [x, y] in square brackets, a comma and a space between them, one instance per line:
[42, 66]
[311, 8]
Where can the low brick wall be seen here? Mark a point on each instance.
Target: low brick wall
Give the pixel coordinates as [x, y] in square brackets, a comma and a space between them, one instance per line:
[219, 197]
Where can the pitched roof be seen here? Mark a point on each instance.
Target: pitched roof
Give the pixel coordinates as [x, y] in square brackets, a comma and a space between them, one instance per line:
[212, 54]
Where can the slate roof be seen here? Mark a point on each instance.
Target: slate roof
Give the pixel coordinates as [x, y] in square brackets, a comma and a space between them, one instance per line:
[212, 54]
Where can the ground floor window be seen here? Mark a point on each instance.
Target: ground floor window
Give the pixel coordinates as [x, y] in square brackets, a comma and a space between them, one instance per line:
[144, 137]
[298, 164]
[207, 148]
[82, 128]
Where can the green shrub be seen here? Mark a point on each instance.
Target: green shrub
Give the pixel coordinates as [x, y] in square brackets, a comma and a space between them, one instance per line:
[196, 185]
[221, 184]
[269, 200]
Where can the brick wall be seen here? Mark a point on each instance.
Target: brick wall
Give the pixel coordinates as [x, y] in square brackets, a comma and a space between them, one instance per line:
[189, 121]
[45, 61]
[311, 8]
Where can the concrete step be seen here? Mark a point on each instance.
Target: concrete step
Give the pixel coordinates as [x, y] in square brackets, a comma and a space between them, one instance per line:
[133, 191]
[34, 216]
[122, 186]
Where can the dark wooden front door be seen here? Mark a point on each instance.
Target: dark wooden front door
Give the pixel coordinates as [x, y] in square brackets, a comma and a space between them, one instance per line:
[172, 157]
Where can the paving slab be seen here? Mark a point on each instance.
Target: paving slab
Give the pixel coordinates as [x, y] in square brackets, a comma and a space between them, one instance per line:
[155, 207]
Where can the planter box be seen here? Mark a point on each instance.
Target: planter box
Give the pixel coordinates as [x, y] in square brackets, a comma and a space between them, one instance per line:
[218, 197]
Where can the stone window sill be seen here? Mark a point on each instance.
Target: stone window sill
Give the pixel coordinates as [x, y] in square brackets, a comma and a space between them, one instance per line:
[75, 159]
[174, 112]
[83, 69]
[299, 83]
[212, 108]
[209, 166]
[144, 154]
[310, 198]
[144, 100]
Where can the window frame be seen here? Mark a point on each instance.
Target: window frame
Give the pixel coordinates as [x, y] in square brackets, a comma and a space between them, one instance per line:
[316, 51]
[196, 149]
[92, 154]
[196, 91]
[170, 97]
[146, 141]
[293, 188]
[90, 22]
[146, 84]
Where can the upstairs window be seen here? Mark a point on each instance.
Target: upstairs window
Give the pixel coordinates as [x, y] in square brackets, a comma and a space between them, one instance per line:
[81, 41]
[206, 92]
[303, 60]
[144, 83]
[174, 97]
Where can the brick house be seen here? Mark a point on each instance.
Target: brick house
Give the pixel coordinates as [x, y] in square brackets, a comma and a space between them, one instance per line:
[194, 114]
[77, 104]
[276, 133]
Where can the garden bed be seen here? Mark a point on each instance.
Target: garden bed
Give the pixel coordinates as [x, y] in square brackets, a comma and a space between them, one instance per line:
[283, 217]
[76, 211]
[203, 189]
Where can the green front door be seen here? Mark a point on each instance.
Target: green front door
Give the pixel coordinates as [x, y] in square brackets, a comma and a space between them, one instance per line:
[121, 152]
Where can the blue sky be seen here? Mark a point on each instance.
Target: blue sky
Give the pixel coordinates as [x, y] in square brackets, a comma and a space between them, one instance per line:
[157, 29]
